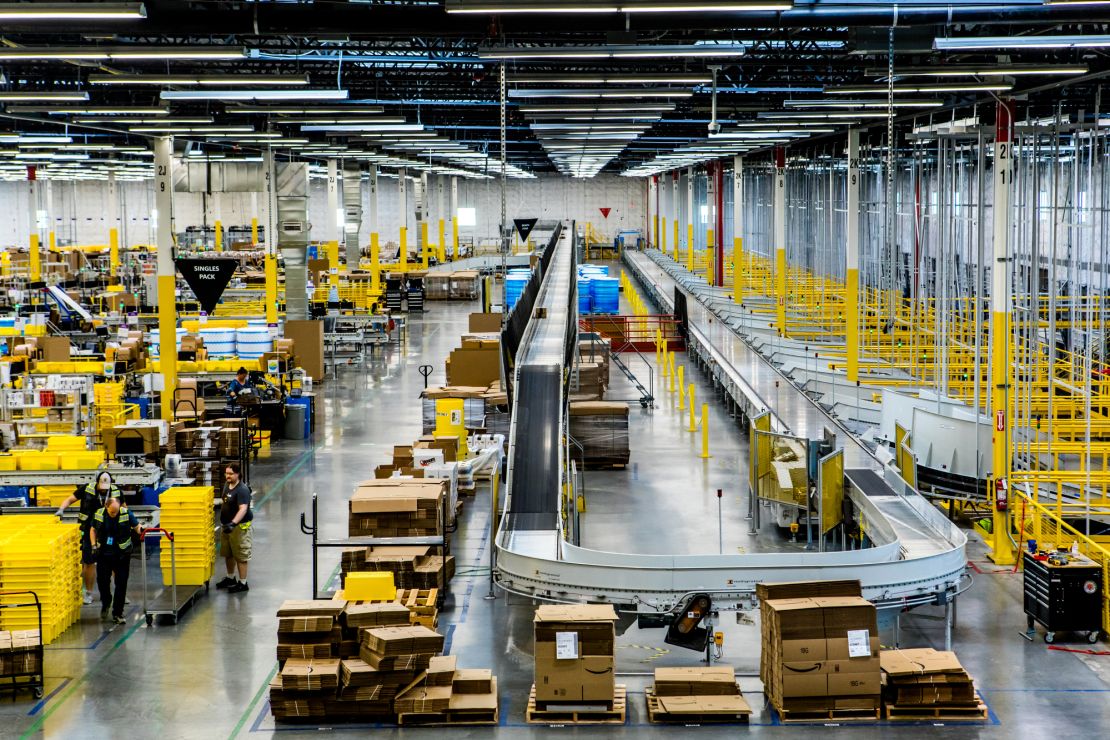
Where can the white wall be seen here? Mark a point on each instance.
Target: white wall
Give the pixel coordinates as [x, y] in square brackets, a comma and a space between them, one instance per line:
[80, 209]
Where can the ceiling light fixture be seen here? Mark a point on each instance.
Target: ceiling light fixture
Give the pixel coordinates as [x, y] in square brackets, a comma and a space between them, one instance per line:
[254, 95]
[187, 79]
[923, 88]
[283, 110]
[616, 79]
[995, 43]
[87, 110]
[29, 95]
[982, 70]
[500, 7]
[120, 53]
[616, 51]
[651, 92]
[37, 11]
[904, 103]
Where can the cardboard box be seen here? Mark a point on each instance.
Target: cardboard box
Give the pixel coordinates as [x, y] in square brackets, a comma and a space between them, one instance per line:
[54, 349]
[376, 615]
[136, 440]
[311, 608]
[441, 670]
[708, 681]
[308, 336]
[306, 624]
[310, 674]
[484, 322]
[574, 646]
[474, 367]
[394, 641]
[472, 681]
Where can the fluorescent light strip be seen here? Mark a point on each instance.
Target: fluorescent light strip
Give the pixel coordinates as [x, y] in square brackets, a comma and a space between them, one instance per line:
[168, 120]
[87, 110]
[253, 95]
[83, 11]
[649, 79]
[34, 139]
[835, 116]
[924, 88]
[654, 92]
[629, 51]
[983, 70]
[189, 129]
[120, 53]
[373, 120]
[997, 43]
[861, 103]
[185, 79]
[28, 95]
[504, 7]
[398, 127]
[283, 110]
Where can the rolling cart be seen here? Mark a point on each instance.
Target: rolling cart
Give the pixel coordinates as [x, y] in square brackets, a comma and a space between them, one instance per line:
[166, 603]
[1065, 597]
[22, 668]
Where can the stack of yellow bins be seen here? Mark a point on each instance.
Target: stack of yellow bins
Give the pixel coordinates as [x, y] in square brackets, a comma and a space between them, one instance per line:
[41, 554]
[188, 512]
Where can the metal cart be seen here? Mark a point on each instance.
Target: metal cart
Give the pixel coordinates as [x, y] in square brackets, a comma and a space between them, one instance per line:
[166, 603]
[24, 669]
[1063, 598]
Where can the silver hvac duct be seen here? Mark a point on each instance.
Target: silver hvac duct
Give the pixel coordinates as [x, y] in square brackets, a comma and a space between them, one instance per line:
[352, 213]
[292, 234]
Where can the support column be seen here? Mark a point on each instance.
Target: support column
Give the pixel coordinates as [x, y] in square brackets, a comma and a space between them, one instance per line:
[113, 228]
[780, 238]
[34, 256]
[441, 207]
[851, 272]
[51, 236]
[218, 228]
[677, 207]
[710, 222]
[167, 280]
[690, 219]
[1002, 549]
[375, 253]
[335, 223]
[653, 206]
[423, 200]
[403, 214]
[270, 190]
[455, 216]
[254, 219]
[719, 221]
[737, 230]
[663, 213]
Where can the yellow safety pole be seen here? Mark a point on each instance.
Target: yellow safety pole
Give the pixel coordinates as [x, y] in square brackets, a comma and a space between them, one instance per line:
[710, 261]
[254, 231]
[441, 252]
[851, 277]
[167, 301]
[737, 286]
[681, 388]
[655, 228]
[219, 231]
[690, 247]
[737, 227]
[53, 241]
[693, 424]
[424, 245]
[663, 235]
[270, 262]
[375, 265]
[333, 263]
[670, 371]
[704, 431]
[36, 259]
[34, 244]
[404, 249]
[675, 257]
[113, 228]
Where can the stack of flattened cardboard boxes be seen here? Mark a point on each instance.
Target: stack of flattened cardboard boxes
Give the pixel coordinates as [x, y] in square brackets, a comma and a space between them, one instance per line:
[412, 566]
[927, 683]
[708, 694]
[477, 362]
[200, 450]
[447, 695]
[820, 650]
[575, 645]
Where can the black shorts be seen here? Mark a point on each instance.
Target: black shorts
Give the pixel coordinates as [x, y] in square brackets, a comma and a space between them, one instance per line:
[87, 556]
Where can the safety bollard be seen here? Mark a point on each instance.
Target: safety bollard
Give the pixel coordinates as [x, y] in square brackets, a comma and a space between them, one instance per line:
[693, 426]
[670, 370]
[705, 431]
[681, 388]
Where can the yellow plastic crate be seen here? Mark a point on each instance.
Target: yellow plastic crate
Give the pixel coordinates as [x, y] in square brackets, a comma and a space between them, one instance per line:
[81, 460]
[37, 460]
[66, 443]
[376, 586]
[188, 576]
[9, 462]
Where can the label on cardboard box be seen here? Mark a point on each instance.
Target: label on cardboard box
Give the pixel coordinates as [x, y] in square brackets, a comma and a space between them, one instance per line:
[566, 646]
[859, 644]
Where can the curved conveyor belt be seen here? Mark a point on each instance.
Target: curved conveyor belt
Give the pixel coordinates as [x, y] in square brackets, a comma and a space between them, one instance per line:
[918, 557]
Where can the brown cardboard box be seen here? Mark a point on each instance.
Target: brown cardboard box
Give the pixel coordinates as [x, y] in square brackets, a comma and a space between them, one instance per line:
[590, 676]
[463, 702]
[806, 589]
[308, 336]
[854, 684]
[472, 681]
[54, 349]
[395, 641]
[311, 608]
[484, 322]
[708, 681]
[803, 685]
[474, 367]
[441, 670]
[148, 435]
[310, 674]
[322, 623]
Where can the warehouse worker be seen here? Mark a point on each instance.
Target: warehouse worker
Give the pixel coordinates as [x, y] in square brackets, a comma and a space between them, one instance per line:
[241, 382]
[235, 539]
[113, 534]
[93, 497]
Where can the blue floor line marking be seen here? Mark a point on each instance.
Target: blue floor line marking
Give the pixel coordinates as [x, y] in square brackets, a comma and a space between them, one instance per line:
[42, 702]
[261, 713]
[448, 638]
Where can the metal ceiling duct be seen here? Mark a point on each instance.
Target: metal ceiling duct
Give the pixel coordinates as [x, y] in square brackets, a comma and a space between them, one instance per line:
[292, 234]
[352, 212]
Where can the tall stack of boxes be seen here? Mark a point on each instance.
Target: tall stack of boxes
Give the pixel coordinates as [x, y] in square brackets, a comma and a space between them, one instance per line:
[188, 513]
[821, 650]
[39, 553]
[201, 453]
[574, 649]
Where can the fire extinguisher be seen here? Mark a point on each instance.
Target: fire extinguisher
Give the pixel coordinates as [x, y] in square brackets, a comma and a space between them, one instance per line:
[1000, 495]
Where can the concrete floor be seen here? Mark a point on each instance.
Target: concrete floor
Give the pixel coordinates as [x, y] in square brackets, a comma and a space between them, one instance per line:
[207, 676]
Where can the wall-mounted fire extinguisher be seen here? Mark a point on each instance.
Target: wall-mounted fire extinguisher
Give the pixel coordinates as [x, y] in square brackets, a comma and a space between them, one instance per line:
[1000, 494]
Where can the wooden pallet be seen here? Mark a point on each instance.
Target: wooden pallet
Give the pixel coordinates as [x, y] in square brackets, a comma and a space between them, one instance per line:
[937, 712]
[657, 715]
[554, 715]
[452, 717]
[795, 716]
[419, 601]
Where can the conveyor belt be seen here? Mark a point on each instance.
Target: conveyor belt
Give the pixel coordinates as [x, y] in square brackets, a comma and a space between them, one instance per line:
[917, 558]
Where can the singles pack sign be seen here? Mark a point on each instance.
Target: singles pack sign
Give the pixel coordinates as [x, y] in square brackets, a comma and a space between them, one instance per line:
[207, 278]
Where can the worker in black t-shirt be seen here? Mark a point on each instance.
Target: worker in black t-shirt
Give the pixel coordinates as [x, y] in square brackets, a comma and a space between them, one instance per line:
[114, 533]
[235, 539]
[93, 496]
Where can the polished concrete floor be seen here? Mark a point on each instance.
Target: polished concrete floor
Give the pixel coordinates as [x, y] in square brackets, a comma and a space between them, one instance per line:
[206, 677]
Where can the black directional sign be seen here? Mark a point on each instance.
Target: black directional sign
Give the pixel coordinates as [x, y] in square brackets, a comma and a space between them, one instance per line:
[524, 227]
[207, 278]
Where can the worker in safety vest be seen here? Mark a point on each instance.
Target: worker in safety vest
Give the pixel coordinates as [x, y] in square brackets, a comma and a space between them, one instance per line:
[114, 532]
[93, 496]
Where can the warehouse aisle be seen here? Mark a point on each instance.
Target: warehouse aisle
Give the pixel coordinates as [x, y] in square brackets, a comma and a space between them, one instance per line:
[207, 677]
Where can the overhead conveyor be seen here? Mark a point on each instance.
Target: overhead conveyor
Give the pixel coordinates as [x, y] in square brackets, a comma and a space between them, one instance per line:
[917, 556]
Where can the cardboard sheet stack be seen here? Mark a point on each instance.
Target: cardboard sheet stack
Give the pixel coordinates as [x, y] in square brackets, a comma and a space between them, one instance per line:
[601, 428]
[41, 554]
[412, 566]
[820, 654]
[477, 362]
[447, 695]
[200, 450]
[696, 695]
[930, 684]
[308, 629]
[187, 512]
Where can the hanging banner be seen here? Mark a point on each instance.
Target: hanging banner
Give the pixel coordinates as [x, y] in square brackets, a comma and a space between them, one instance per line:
[524, 227]
[207, 278]
[605, 212]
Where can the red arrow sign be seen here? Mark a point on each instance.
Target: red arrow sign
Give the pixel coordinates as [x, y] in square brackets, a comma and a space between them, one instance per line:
[605, 212]
[1000, 421]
